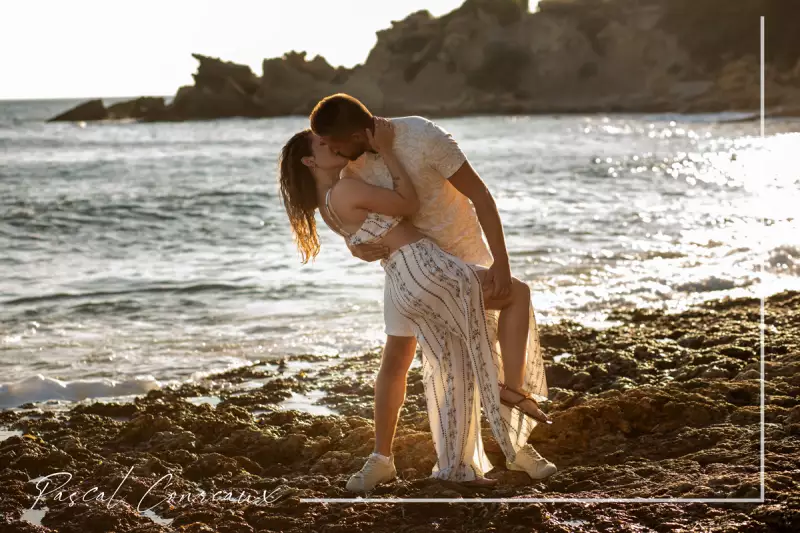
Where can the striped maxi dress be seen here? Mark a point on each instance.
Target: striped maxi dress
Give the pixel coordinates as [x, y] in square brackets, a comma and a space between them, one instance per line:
[462, 364]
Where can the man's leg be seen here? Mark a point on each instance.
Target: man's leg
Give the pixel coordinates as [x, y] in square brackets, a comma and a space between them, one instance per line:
[390, 389]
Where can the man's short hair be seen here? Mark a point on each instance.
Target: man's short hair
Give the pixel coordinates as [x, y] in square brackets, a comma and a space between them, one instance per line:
[339, 115]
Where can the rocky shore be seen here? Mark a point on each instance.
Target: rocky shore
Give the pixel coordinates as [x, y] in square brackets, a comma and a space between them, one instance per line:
[497, 57]
[663, 405]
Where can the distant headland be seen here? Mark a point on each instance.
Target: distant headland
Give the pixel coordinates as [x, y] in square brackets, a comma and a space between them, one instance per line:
[496, 57]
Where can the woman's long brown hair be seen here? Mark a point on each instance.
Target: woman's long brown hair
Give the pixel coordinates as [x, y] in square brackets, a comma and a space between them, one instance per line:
[299, 193]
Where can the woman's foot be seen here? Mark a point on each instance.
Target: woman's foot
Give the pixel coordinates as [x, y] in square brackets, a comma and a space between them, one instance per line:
[480, 482]
[522, 401]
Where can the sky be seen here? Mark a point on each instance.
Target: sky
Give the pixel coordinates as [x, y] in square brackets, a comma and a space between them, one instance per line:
[93, 48]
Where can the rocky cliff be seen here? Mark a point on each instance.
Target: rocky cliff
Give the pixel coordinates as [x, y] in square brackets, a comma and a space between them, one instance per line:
[495, 56]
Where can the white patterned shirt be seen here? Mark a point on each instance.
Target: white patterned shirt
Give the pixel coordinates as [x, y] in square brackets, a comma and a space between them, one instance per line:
[430, 156]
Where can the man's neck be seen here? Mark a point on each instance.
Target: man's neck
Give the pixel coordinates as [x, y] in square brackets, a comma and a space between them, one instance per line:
[372, 131]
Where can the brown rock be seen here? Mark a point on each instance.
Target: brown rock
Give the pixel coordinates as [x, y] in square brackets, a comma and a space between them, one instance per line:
[494, 56]
[654, 436]
[143, 107]
[91, 110]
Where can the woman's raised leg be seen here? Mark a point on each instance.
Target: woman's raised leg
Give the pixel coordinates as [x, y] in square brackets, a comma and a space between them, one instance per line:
[512, 329]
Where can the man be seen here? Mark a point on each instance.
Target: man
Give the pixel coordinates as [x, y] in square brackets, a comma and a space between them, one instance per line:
[448, 188]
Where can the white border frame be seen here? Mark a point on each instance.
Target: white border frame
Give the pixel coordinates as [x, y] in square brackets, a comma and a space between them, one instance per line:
[612, 500]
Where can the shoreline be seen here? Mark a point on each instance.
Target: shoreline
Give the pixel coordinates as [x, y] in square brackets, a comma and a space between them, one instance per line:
[663, 405]
[747, 115]
[103, 390]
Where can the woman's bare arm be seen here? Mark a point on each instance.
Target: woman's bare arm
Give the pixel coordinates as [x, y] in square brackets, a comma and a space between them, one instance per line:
[400, 201]
[351, 194]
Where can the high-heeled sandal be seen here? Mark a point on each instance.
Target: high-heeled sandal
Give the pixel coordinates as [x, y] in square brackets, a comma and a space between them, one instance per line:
[540, 417]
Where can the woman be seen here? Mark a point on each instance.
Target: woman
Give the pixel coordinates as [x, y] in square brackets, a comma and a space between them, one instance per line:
[440, 293]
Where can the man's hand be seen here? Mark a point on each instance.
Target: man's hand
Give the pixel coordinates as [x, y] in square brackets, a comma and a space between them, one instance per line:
[498, 280]
[369, 252]
[381, 141]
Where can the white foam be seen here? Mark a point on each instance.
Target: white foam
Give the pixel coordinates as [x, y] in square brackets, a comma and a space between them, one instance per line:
[34, 516]
[40, 388]
[8, 433]
[157, 519]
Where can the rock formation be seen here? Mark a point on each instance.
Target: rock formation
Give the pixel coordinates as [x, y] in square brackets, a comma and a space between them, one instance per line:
[91, 110]
[496, 57]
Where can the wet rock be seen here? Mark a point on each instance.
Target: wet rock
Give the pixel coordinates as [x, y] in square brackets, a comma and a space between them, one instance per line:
[109, 409]
[559, 375]
[692, 341]
[249, 372]
[738, 352]
[635, 430]
[714, 372]
[171, 440]
[642, 352]
[143, 427]
[21, 526]
[333, 462]
[794, 416]
[644, 315]
[211, 465]
[83, 517]
[559, 341]
[582, 381]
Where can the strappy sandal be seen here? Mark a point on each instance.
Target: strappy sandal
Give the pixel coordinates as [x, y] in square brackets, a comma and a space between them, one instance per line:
[540, 416]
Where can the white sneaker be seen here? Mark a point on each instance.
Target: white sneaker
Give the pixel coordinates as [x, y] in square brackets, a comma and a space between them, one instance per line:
[373, 472]
[528, 460]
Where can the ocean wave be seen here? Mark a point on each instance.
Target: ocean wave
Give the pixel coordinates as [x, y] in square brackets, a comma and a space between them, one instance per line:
[40, 388]
[647, 255]
[135, 247]
[105, 298]
[190, 289]
[159, 208]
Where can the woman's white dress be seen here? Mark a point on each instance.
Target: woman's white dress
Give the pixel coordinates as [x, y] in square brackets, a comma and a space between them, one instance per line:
[462, 364]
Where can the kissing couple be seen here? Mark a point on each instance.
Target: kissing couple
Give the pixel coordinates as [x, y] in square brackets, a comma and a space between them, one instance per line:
[402, 191]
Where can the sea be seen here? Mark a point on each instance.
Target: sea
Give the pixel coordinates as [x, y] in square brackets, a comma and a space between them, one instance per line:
[135, 256]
